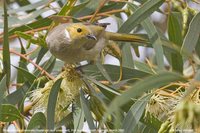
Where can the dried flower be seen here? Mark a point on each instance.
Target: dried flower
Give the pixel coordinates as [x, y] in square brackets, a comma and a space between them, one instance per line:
[69, 91]
[160, 106]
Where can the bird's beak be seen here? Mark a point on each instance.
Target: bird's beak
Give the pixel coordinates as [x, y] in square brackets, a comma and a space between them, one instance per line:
[90, 36]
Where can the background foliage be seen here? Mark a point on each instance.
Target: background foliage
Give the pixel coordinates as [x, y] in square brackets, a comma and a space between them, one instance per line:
[158, 94]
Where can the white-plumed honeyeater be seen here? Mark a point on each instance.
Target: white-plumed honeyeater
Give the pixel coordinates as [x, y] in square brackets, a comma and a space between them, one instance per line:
[76, 42]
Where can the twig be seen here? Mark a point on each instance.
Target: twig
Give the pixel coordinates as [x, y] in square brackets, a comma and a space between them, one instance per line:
[64, 21]
[97, 10]
[37, 66]
[26, 32]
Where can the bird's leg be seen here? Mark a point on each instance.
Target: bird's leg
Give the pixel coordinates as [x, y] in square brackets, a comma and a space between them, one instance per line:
[113, 49]
[79, 68]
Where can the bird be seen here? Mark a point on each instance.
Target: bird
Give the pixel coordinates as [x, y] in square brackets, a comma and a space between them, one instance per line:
[76, 42]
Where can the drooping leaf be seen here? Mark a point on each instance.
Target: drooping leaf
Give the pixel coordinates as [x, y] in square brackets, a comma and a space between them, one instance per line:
[37, 122]
[175, 35]
[6, 52]
[3, 88]
[153, 34]
[144, 85]
[127, 57]
[52, 104]
[87, 113]
[9, 113]
[78, 119]
[140, 14]
[17, 96]
[114, 72]
[27, 75]
[192, 36]
[134, 114]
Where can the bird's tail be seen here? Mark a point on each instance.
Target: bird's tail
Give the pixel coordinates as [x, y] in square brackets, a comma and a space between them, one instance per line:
[127, 37]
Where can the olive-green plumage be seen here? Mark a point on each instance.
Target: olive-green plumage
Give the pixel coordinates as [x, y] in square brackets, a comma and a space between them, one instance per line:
[75, 42]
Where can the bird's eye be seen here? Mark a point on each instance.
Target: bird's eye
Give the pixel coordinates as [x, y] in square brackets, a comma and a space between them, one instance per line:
[79, 30]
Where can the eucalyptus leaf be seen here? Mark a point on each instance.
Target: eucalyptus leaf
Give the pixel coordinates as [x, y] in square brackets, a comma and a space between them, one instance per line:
[153, 34]
[9, 113]
[52, 104]
[140, 14]
[192, 36]
[134, 114]
[37, 123]
[87, 113]
[144, 85]
[3, 89]
[6, 47]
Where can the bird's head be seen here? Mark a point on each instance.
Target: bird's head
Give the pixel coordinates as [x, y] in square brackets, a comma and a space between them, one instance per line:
[79, 31]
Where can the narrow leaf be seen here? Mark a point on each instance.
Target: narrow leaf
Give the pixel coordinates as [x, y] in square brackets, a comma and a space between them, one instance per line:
[27, 75]
[175, 35]
[127, 57]
[3, 88]
[134, 114]
[52, 104]
[6, 52]
[153, 34]
[78, 120]
[148, 83]
[192, 36]
[88, 115]
[140, 14]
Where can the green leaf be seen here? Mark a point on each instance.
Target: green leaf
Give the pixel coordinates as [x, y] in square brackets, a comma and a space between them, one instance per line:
[143, 67]
[78, 8]
[32, 39]
[14, 21]
[41, 54]
[22, 64]
[88, 115]
[52, 104]
[9, 113]
[140, 14]
[6, 52]
[47, 65]
[67, 7]
[112, 6]
[22, 101]
[109, 92]
[148, 83]
[29, 6]
[159, 53]
[113, 72]
[175, 35]
[192, 36]
[198, 48]
[67, 121]
[17, 96]
[37, 122]
[103, 71]
[114, 92]
[134, 114]
[153, 34]
[127, 57]
[3, 88]
[174, 30]
[34, 25]
[151, 122]
[89, 8]
[78, 120]
[27, 75]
